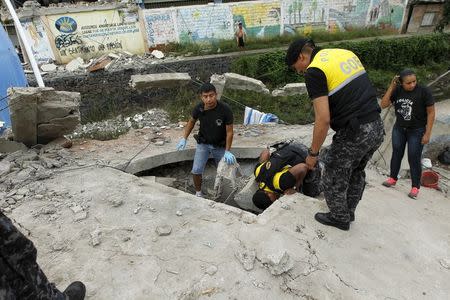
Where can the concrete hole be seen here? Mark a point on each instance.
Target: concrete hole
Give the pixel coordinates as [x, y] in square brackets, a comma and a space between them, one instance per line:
[178, 175]
[174, 170]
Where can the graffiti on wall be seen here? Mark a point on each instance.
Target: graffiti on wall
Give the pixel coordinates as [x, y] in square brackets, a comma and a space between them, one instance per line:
[90, 33]
[37, 39]
[385, 13]
[160, 27]
[301, 15]
[259, 19]
[205, 23]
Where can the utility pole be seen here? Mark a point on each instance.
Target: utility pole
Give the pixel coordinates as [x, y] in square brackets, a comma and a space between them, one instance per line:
[22, 38]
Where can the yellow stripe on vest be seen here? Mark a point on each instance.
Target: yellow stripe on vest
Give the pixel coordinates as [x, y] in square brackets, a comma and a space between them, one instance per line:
[340, 67]
[276, 178]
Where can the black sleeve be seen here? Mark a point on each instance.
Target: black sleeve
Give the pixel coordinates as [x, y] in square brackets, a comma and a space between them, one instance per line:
[196, 111]
[427, 97]
[316, 83]
[228, 114]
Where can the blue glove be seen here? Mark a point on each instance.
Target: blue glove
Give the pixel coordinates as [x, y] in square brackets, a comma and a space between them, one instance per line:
[229, 157]
[181, 144]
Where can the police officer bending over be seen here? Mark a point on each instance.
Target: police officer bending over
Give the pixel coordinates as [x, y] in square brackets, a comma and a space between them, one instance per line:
[283, 173]
[345, 100]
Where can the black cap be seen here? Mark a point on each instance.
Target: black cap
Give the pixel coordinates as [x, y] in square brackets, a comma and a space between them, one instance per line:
[261, 199]
[295, 48]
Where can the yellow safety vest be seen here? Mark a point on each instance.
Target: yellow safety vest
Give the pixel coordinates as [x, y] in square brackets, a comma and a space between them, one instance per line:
[340, 67]
[275, 180]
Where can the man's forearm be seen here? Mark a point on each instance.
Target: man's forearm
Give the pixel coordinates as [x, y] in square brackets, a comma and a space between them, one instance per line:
[188, 129]
[319, 134]
[229, 141]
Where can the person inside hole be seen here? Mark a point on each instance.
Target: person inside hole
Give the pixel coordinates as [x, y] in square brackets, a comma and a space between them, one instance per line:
[284, 172]
[215, 134]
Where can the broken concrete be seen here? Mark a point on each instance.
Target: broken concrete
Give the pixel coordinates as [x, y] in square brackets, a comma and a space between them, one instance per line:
[7, 146]
[237, 82]
[161, 80]
[48, 67]
[40, 115]
[215, 251]
[75, 64]
[290, 89]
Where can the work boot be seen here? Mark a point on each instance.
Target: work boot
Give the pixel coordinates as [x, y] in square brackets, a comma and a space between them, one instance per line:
[327, 219]
[389, 182]
[75, 291]
[413, 193]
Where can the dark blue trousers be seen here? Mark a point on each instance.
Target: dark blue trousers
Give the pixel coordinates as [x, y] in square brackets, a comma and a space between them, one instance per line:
[413, 137]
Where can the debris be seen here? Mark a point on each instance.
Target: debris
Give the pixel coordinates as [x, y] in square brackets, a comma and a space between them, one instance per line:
[163, 230]
[48, 67]
[211, 270]
[179, 213]
[80, 216]
[172, 272]
[208, 218]
[115, 202]
[246, 257]
[76, 208]
[445, 263]
[95, 237]
[99, 64]
[278, 263]
[75, 64]
[158, 54]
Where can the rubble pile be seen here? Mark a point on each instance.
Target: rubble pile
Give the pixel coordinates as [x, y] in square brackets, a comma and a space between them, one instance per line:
[156, 119]
[107, 62]
[21, 173]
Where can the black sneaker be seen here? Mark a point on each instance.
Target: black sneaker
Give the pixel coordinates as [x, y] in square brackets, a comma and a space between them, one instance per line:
[327, 219]
[75, 291]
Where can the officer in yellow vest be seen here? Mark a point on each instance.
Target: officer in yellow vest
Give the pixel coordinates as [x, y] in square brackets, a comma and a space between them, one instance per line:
[284, 172]
[345, 100]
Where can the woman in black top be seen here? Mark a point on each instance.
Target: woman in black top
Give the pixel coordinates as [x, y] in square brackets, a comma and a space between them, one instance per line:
[414, 111]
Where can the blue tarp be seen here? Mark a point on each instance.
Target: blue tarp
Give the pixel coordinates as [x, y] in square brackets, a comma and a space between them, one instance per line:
[11, 75]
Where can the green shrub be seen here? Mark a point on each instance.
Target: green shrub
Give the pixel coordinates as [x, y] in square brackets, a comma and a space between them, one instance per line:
[389, 55]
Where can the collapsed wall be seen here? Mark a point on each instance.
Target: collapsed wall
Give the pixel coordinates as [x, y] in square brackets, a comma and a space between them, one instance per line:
[40, 115]
[107, 89]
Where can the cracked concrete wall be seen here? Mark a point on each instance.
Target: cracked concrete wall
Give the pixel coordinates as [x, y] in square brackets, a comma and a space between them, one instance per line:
[40, 115]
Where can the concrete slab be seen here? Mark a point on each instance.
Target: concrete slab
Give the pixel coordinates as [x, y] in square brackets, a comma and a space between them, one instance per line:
[161, 80]
[94, 223]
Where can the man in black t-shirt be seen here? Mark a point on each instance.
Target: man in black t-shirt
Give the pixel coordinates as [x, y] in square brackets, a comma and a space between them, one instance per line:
[215, 135]
[345, 100]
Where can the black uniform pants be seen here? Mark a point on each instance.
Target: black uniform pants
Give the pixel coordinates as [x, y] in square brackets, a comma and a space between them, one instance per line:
[20, 275]
[344, 175]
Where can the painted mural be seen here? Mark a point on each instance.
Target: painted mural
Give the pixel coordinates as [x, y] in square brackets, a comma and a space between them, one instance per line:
[259, 19]
[37, 39]
[299, 16]
[92, 33]
[160, 26]
[204, 23]
[385, 13]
